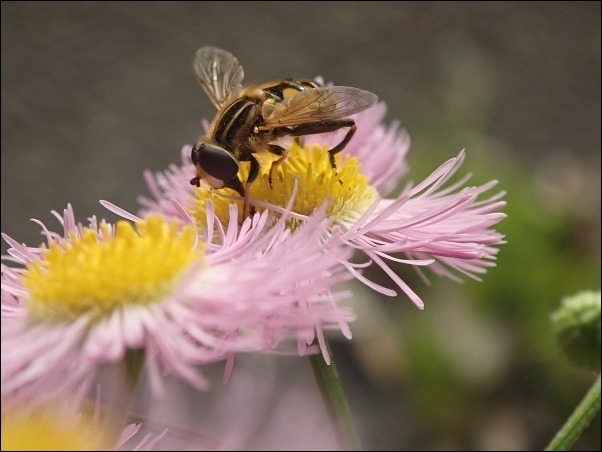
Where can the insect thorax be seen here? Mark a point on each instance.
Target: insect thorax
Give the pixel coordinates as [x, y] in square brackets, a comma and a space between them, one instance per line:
[236, 123]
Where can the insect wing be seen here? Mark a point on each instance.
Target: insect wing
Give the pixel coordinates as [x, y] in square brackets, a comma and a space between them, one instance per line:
[219, 73]
[320, 104]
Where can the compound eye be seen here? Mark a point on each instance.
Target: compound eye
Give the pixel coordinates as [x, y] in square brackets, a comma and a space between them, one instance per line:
[217, 162]
[194, 154]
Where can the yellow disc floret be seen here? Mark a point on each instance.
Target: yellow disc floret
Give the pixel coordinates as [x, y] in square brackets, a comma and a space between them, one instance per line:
[345, 188]
[43, 431]
[97, 273]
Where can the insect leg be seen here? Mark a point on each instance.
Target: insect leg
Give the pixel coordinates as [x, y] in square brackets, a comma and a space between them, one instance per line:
[236, 185]
[249, 210]
[253, 170]
[282, 153]
[312, 128]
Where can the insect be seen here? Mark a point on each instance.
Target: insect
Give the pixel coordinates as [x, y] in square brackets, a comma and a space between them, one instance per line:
[252, 119]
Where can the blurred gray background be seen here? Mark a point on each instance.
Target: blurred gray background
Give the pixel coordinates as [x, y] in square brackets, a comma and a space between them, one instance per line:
[94, 93]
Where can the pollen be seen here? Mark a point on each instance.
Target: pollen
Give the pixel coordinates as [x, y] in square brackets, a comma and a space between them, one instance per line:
[346, 190]
[96, 272]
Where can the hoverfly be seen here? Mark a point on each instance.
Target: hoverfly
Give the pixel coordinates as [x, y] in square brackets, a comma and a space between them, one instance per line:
[251, 119]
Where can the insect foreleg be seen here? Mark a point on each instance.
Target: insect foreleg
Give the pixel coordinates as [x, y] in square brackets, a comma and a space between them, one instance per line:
[328, 126]
[253, 172]
[282, 153]
[236, 185]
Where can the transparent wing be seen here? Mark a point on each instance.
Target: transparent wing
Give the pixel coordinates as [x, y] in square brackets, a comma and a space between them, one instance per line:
[320, 104]
[219, 73]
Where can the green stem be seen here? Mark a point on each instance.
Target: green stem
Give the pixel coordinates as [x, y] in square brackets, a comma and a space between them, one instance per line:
[124, 382]
[134, 361]
[579, 420]
[329, 383]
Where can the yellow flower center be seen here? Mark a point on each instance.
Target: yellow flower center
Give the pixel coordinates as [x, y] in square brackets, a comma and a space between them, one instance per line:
[48, 432]
[345, 188]
[91, 274]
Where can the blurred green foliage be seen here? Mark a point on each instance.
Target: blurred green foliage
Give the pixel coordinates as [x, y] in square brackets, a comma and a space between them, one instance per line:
[480, 367]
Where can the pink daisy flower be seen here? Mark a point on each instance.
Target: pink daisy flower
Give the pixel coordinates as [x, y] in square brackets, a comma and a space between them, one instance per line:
[445, 227]
[96, 292]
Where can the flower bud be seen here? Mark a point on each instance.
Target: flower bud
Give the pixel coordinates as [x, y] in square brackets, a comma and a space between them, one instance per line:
[577, 327]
